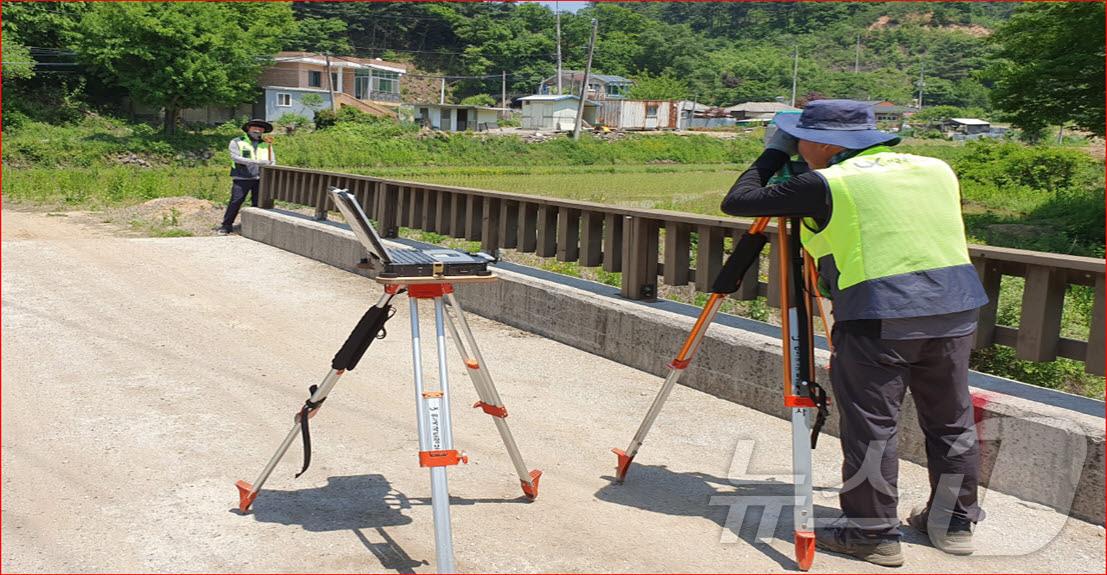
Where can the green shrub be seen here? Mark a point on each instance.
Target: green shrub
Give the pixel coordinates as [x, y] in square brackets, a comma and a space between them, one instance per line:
[1009, 164]
[325, 119]
[479, 100]
[292, 122]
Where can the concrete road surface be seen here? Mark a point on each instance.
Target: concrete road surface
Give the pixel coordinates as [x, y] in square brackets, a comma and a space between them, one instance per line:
[142, 377]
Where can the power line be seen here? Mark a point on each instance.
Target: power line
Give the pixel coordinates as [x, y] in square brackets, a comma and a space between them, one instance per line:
[436, 76]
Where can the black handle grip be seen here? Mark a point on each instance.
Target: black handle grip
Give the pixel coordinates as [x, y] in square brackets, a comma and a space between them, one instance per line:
[370, 326]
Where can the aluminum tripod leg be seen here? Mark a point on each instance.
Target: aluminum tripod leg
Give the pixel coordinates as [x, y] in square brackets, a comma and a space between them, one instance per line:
[676, 367]
[247, 492]
[435, 436]
[490, 400]
[797, 333]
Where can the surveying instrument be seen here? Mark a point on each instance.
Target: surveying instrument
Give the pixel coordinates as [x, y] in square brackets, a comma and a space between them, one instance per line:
[433, 273]
[807, 400]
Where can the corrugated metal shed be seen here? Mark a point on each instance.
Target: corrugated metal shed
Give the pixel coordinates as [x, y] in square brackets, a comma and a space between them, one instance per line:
[640, 114]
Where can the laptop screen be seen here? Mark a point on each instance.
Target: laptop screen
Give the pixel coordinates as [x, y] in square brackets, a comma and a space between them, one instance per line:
[359, 222]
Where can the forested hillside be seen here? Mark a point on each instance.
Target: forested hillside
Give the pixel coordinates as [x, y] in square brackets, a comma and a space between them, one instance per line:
[719, 53]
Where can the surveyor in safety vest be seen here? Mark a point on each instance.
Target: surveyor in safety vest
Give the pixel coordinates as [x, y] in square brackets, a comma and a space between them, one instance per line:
[886, 231]
[248, 154]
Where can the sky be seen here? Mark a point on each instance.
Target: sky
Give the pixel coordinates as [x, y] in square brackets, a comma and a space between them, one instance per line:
[566, 6]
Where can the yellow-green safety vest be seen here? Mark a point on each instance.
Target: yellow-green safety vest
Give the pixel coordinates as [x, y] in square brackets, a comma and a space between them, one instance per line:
[894, 245]
[246, 148]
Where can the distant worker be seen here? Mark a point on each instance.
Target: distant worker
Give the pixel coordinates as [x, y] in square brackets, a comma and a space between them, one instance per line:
[248, 154]
[886, 231]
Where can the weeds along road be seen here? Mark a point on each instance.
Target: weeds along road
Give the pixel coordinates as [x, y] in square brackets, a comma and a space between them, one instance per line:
[143, 376]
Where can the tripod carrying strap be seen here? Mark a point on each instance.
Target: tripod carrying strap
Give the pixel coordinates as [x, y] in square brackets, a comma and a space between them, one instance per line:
[305, 433]
[369, 328]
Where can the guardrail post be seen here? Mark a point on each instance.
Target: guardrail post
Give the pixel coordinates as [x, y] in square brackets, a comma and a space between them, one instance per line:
[709, 256]
[457, 215]
[990, 276]
[266, 187]
[403, 210]
[509, 223]
[430, 210]
[474, 205]
[320, 198]
[490, 226]
[591, 239]
[547, 231]
[528, 227]
[749, 288]
[443, 211]
[677, 256]
[1040, 322]
[415, 199]
[1094, 360]
[568, 235]
[640, 258]
[387, 209]
[612, 242]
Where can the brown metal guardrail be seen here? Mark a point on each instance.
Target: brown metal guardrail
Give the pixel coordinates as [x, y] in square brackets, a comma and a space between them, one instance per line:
[627, 240]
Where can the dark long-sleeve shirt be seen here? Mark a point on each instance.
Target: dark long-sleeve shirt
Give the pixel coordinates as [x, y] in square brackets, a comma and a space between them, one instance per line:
[804, 195]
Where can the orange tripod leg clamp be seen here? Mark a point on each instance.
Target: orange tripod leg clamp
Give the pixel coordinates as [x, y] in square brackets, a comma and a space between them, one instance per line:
[493, 410]
[441, 458]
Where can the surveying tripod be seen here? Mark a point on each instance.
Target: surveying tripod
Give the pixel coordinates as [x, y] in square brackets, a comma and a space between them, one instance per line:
[806, 398]
[436, 449]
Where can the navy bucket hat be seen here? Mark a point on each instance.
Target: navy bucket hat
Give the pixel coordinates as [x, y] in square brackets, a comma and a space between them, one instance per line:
[847, 123]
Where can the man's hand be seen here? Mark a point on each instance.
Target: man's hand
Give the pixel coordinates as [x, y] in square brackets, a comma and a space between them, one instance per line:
[783, 141]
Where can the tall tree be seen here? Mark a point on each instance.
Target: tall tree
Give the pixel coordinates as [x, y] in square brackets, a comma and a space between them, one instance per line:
[182, 54]
[1053, 67]
[320, 35]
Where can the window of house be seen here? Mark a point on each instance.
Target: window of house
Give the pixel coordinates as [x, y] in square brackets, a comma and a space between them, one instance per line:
[284, 100]
[386, 82]
[315, 79]
[334, 82]
[651, 110]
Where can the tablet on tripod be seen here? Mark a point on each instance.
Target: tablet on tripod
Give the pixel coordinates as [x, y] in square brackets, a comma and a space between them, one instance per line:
[406, 262]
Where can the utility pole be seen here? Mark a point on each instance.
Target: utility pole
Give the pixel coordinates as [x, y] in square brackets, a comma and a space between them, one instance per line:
[503, 93]
[442, 92]
[795, 74]
[584, 85]
[557, 9]
[857, 57]
[330, 83]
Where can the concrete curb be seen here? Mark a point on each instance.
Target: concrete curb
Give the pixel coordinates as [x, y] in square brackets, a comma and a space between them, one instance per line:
[1031, 449]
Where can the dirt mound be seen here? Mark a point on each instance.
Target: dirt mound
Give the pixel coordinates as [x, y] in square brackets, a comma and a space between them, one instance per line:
[183, 204]
[175, 216]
